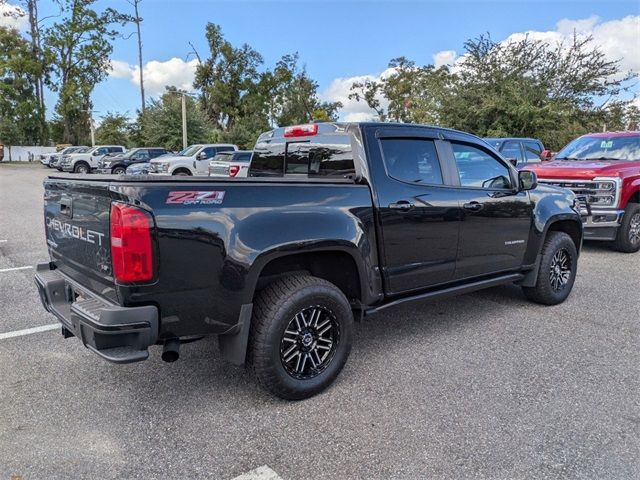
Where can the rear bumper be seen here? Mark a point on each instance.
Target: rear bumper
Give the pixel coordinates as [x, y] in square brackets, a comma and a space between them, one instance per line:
[602, 224]
[117, 334]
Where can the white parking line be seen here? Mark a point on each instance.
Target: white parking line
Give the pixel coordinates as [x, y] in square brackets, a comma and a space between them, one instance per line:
[29, 331]
[3, 241]
[2, 270]
[260, 473]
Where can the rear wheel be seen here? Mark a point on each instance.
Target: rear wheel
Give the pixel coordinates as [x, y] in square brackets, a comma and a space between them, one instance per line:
[301, 335]
[628, 237]
[557, 271]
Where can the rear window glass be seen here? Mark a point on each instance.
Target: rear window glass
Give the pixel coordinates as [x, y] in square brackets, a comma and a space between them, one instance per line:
[323, 156]
[222, 157]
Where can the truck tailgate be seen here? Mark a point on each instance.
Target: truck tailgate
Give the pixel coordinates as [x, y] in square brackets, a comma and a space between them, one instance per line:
[77, 230]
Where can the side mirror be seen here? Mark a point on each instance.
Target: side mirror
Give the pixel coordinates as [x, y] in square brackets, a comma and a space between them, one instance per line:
[527, 179]
[513, 161]
[202, 156]
[546, 155]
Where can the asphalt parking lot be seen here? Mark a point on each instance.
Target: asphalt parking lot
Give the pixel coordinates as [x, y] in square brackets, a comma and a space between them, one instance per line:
[485, 385]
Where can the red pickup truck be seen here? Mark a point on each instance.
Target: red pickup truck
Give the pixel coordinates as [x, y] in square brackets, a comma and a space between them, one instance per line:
[604, 168]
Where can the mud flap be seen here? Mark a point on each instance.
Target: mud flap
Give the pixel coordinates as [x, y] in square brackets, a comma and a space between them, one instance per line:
[531, 277]
[233, 347]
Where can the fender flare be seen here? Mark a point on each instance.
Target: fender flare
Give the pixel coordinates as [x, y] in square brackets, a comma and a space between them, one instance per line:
[531, 277]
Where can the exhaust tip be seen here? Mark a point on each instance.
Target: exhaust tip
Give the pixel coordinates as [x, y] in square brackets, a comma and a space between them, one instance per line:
[171, 350]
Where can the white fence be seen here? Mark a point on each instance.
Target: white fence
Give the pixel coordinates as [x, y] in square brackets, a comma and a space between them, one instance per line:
[25, 154]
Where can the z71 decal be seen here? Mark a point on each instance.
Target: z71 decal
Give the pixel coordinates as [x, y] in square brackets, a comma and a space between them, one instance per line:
[188, 197]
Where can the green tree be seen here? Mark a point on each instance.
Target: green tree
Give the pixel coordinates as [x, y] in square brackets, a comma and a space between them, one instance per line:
[20, 109]
[78, 48]
[413, 94]
[114, 130]
[161, 123]
[226, 78]
[520, 88]
[294, 95]
[532, 88]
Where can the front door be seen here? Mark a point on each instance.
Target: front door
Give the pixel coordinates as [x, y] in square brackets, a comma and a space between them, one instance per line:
[418, 213]
[496, 218]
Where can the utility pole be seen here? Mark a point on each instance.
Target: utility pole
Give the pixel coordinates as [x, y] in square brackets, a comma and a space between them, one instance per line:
[93, 132]
[184, 121]
[137, 20]
[92, 126]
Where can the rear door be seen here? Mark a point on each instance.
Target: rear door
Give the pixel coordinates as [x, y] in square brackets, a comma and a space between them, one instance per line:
[418, 210]
[532, 151]
[496, 218]
[512, 149]
[77, 230]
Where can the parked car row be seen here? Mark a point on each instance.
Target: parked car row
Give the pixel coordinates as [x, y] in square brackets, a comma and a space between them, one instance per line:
[51, 159]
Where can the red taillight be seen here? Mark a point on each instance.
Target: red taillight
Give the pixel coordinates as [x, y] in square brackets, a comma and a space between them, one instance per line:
[131, 248]
[301, 130]
[233, 170]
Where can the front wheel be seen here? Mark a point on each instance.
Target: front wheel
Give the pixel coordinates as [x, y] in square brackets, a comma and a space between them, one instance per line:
[301, 335]
[557, 270]
[81, 168]
[118, 171]
[628, 237]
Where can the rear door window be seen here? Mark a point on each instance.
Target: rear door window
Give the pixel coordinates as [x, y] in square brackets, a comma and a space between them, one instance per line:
[412, 160]
[512, 149]
[532, 151]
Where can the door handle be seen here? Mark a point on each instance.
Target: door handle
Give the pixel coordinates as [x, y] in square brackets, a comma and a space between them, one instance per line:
[401, 205]
[473, 206]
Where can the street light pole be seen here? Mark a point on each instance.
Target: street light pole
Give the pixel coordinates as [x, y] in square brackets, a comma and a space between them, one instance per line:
[184, 122]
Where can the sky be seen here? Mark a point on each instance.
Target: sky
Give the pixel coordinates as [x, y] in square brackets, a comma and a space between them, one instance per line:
[341, 41]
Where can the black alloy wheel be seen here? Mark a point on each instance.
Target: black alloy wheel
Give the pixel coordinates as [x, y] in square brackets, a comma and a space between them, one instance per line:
[309, 342]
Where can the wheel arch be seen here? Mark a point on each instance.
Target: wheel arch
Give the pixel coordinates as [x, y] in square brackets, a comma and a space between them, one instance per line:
[81, 162]
[177, 170]
[561, 223]
[338, 264]
[321, 262]
[571, 227]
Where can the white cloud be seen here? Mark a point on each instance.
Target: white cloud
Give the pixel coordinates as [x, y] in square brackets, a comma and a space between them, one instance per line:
[617, 39]
[353, 111]
[12, 16]
[174, 72]
[445, 57]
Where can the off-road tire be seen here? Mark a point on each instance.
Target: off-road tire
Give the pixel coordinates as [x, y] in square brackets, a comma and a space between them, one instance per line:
[627, 240]
[274, 310]
[556, 243]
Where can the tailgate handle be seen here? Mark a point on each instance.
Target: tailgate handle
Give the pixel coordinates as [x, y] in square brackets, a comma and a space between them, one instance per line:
[66, 206]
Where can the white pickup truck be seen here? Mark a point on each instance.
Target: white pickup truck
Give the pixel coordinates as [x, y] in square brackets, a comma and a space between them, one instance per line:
[231, 164]
[194, 160]
[86, 161]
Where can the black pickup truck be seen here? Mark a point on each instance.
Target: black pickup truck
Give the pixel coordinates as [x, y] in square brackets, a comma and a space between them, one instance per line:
[336, 221]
